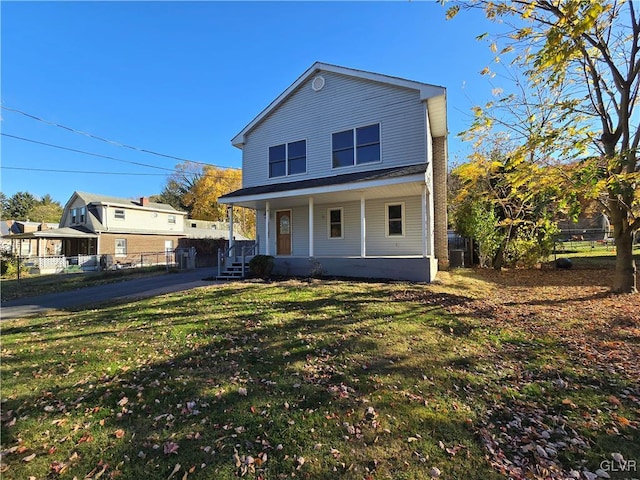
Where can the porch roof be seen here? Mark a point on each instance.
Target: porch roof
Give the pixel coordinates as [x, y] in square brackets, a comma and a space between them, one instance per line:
[64, 232]
[314, 186]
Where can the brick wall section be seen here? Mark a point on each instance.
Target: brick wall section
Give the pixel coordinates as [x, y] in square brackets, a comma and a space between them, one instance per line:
[136, 245]
[440, 202]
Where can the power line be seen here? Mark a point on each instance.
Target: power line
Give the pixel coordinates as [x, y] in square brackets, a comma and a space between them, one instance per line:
[86, 153]
[219, 176]
[102, 139]
[78, 171]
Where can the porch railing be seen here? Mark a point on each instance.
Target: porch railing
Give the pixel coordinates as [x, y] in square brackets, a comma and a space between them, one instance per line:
[237, 249]
[88, 263]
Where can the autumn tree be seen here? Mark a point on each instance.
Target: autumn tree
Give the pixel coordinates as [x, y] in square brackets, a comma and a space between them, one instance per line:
[178, 185]
[202, 198]
[195, 188]
[589, 51]
[507, 203]
[46, 210]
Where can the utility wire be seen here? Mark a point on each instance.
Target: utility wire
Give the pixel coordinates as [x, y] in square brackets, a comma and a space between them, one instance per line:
[77, 171]
[86, 153]
[102, 139]
[29, 169]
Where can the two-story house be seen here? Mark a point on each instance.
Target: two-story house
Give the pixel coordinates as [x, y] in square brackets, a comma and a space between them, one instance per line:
[347, 170]
[122, 229]
[120, 226]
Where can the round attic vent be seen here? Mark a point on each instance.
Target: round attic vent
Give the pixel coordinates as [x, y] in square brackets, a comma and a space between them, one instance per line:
[317, 84]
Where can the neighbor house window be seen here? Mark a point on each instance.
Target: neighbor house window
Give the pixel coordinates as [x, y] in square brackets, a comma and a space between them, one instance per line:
[395, 219]
[356, 146]
[82, 215]
[121, 247]
[334, 217]
[74, 215]
[288, 159]
[119, 213]
[172, 219]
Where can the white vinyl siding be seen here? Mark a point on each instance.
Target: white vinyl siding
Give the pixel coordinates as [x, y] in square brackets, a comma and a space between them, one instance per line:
[379, 243]
[349, 244]
[343, 104]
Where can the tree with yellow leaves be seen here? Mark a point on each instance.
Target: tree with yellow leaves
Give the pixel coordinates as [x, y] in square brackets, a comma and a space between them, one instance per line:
[202, 198]
[590, 51]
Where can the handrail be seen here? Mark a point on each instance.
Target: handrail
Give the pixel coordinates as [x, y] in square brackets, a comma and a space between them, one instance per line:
[244, 252]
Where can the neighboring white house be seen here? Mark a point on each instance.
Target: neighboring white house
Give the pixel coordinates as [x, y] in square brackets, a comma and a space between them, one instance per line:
[210, 229]
[346, 170]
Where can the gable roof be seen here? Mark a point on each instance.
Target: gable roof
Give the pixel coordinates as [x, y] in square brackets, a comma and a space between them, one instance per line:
[434, 95]
[94, 198]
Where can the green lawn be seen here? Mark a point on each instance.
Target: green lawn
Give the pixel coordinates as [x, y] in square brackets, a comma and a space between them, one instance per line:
[319, 380]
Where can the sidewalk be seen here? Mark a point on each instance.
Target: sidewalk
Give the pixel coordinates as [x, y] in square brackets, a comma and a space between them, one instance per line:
[125, 290]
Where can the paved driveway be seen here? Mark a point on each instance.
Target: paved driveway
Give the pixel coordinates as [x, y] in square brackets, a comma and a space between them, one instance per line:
[125, 290]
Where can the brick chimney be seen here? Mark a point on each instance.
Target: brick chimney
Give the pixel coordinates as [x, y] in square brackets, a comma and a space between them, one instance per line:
[144, 201]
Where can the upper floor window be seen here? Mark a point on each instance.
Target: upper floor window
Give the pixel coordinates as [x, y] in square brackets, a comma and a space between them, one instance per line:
[77, 215]
[288, 159]
[172, 219]
[118, 213]
[356, 146]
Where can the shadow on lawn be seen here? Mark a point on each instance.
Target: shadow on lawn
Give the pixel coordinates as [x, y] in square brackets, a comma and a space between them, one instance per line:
[309, 366]
[235, 382]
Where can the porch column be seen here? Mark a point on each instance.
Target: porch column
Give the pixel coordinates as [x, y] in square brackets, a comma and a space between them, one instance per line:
[230, 216]
[311, 226]
[363, 227]
[424, 218]
[267, 214]
[40, 248]
[427, 205]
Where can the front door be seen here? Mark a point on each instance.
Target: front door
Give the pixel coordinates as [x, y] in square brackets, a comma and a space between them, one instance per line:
[283, 232]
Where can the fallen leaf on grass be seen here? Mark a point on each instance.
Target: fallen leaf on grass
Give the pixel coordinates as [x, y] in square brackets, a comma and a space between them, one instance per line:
[28, 458]
[119, 433]
[170, 447]
[176, 469]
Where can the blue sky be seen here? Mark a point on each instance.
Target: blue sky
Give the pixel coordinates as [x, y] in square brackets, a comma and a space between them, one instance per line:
[182, 78]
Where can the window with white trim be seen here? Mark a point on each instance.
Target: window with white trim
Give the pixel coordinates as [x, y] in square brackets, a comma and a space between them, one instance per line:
[121, 247]
[356, 146]
[288, 159]
[334, 220]
[394, 219]
[172, 219]
[74, 216]
[82, 214]
[118, 213]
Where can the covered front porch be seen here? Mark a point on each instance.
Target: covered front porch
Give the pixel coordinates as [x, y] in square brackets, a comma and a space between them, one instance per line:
[375, 228]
